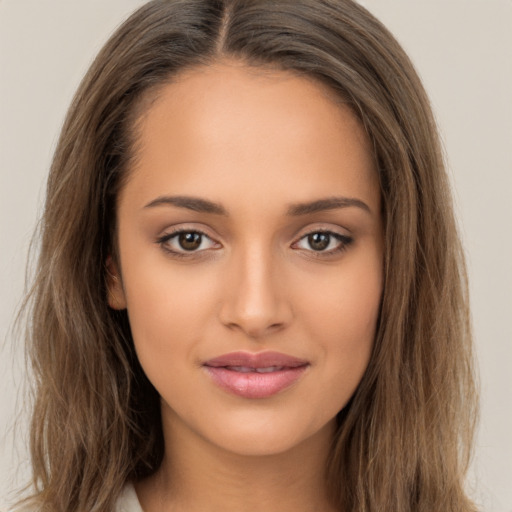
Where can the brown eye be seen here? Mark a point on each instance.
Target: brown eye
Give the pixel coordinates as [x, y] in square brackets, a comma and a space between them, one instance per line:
[190, 241]
[319, 241]
[183, 241]
[323, 243]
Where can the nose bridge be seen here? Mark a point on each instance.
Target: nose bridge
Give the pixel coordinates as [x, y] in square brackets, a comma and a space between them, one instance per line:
[254, 301]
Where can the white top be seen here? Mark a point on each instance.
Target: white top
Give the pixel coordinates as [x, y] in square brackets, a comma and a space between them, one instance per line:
[128, 501]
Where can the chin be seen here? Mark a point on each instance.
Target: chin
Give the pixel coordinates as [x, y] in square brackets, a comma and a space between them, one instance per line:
[271, 437]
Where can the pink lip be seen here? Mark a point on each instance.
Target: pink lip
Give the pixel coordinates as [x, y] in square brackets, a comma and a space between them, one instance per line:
[238, 373]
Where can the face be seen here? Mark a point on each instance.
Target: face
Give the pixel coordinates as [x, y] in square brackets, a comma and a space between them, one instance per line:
[250, 243]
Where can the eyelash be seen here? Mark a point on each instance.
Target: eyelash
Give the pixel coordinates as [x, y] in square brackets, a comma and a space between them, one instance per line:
[344, 242]
[165, 239]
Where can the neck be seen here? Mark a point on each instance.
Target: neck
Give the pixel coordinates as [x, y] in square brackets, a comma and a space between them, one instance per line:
[198, 476]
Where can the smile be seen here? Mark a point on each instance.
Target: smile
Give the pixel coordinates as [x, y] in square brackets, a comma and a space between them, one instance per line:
[260, 375]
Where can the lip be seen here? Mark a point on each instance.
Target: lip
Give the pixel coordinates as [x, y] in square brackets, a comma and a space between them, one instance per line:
[255, 375]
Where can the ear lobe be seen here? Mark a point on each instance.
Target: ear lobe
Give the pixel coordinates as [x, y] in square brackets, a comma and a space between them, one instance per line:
[115, 292]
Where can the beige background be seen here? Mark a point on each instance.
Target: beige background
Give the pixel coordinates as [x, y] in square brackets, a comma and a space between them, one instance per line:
[463, 51]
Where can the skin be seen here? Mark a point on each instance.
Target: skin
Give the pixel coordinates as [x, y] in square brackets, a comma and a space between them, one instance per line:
[256, 142]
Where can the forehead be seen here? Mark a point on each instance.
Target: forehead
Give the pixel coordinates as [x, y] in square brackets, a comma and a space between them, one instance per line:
[250, 128]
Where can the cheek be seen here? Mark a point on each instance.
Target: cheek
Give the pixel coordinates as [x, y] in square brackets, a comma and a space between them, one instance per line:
[348, 299]
[168, 308]
[342, 314]
[167, 319]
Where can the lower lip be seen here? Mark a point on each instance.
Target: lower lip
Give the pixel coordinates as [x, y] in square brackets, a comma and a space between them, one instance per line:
[253, 384]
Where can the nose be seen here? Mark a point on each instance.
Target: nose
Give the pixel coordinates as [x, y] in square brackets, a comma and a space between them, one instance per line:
[255, 300]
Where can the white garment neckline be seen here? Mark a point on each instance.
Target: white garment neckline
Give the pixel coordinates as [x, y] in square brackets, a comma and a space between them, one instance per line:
[128, 501]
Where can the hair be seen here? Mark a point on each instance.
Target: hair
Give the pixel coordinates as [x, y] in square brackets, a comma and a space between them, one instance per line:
[403, 441]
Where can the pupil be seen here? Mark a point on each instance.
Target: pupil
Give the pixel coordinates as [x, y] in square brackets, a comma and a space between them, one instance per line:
[189, 241]
[319, 241]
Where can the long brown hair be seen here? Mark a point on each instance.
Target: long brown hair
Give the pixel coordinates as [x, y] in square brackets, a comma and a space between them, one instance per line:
[403, 442]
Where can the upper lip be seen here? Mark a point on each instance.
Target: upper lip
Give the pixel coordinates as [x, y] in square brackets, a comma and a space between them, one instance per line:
[256, 360]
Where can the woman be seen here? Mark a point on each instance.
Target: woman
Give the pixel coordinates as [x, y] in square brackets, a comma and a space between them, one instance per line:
[251, 293]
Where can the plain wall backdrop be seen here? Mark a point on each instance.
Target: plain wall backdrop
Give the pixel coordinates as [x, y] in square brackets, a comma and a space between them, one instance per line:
[462, 50]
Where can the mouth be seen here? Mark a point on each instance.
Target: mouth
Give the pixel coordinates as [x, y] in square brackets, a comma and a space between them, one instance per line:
[255, 375]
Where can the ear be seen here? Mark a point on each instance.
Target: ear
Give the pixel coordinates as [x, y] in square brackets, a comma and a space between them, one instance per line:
[115, 291]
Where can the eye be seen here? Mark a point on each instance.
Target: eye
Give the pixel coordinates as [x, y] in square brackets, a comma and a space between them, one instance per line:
[323, 242]
[182, 242]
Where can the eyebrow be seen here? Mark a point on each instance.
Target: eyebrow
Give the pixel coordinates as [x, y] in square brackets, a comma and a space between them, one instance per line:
[329, 203]
[197, 204]
[190, 203]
